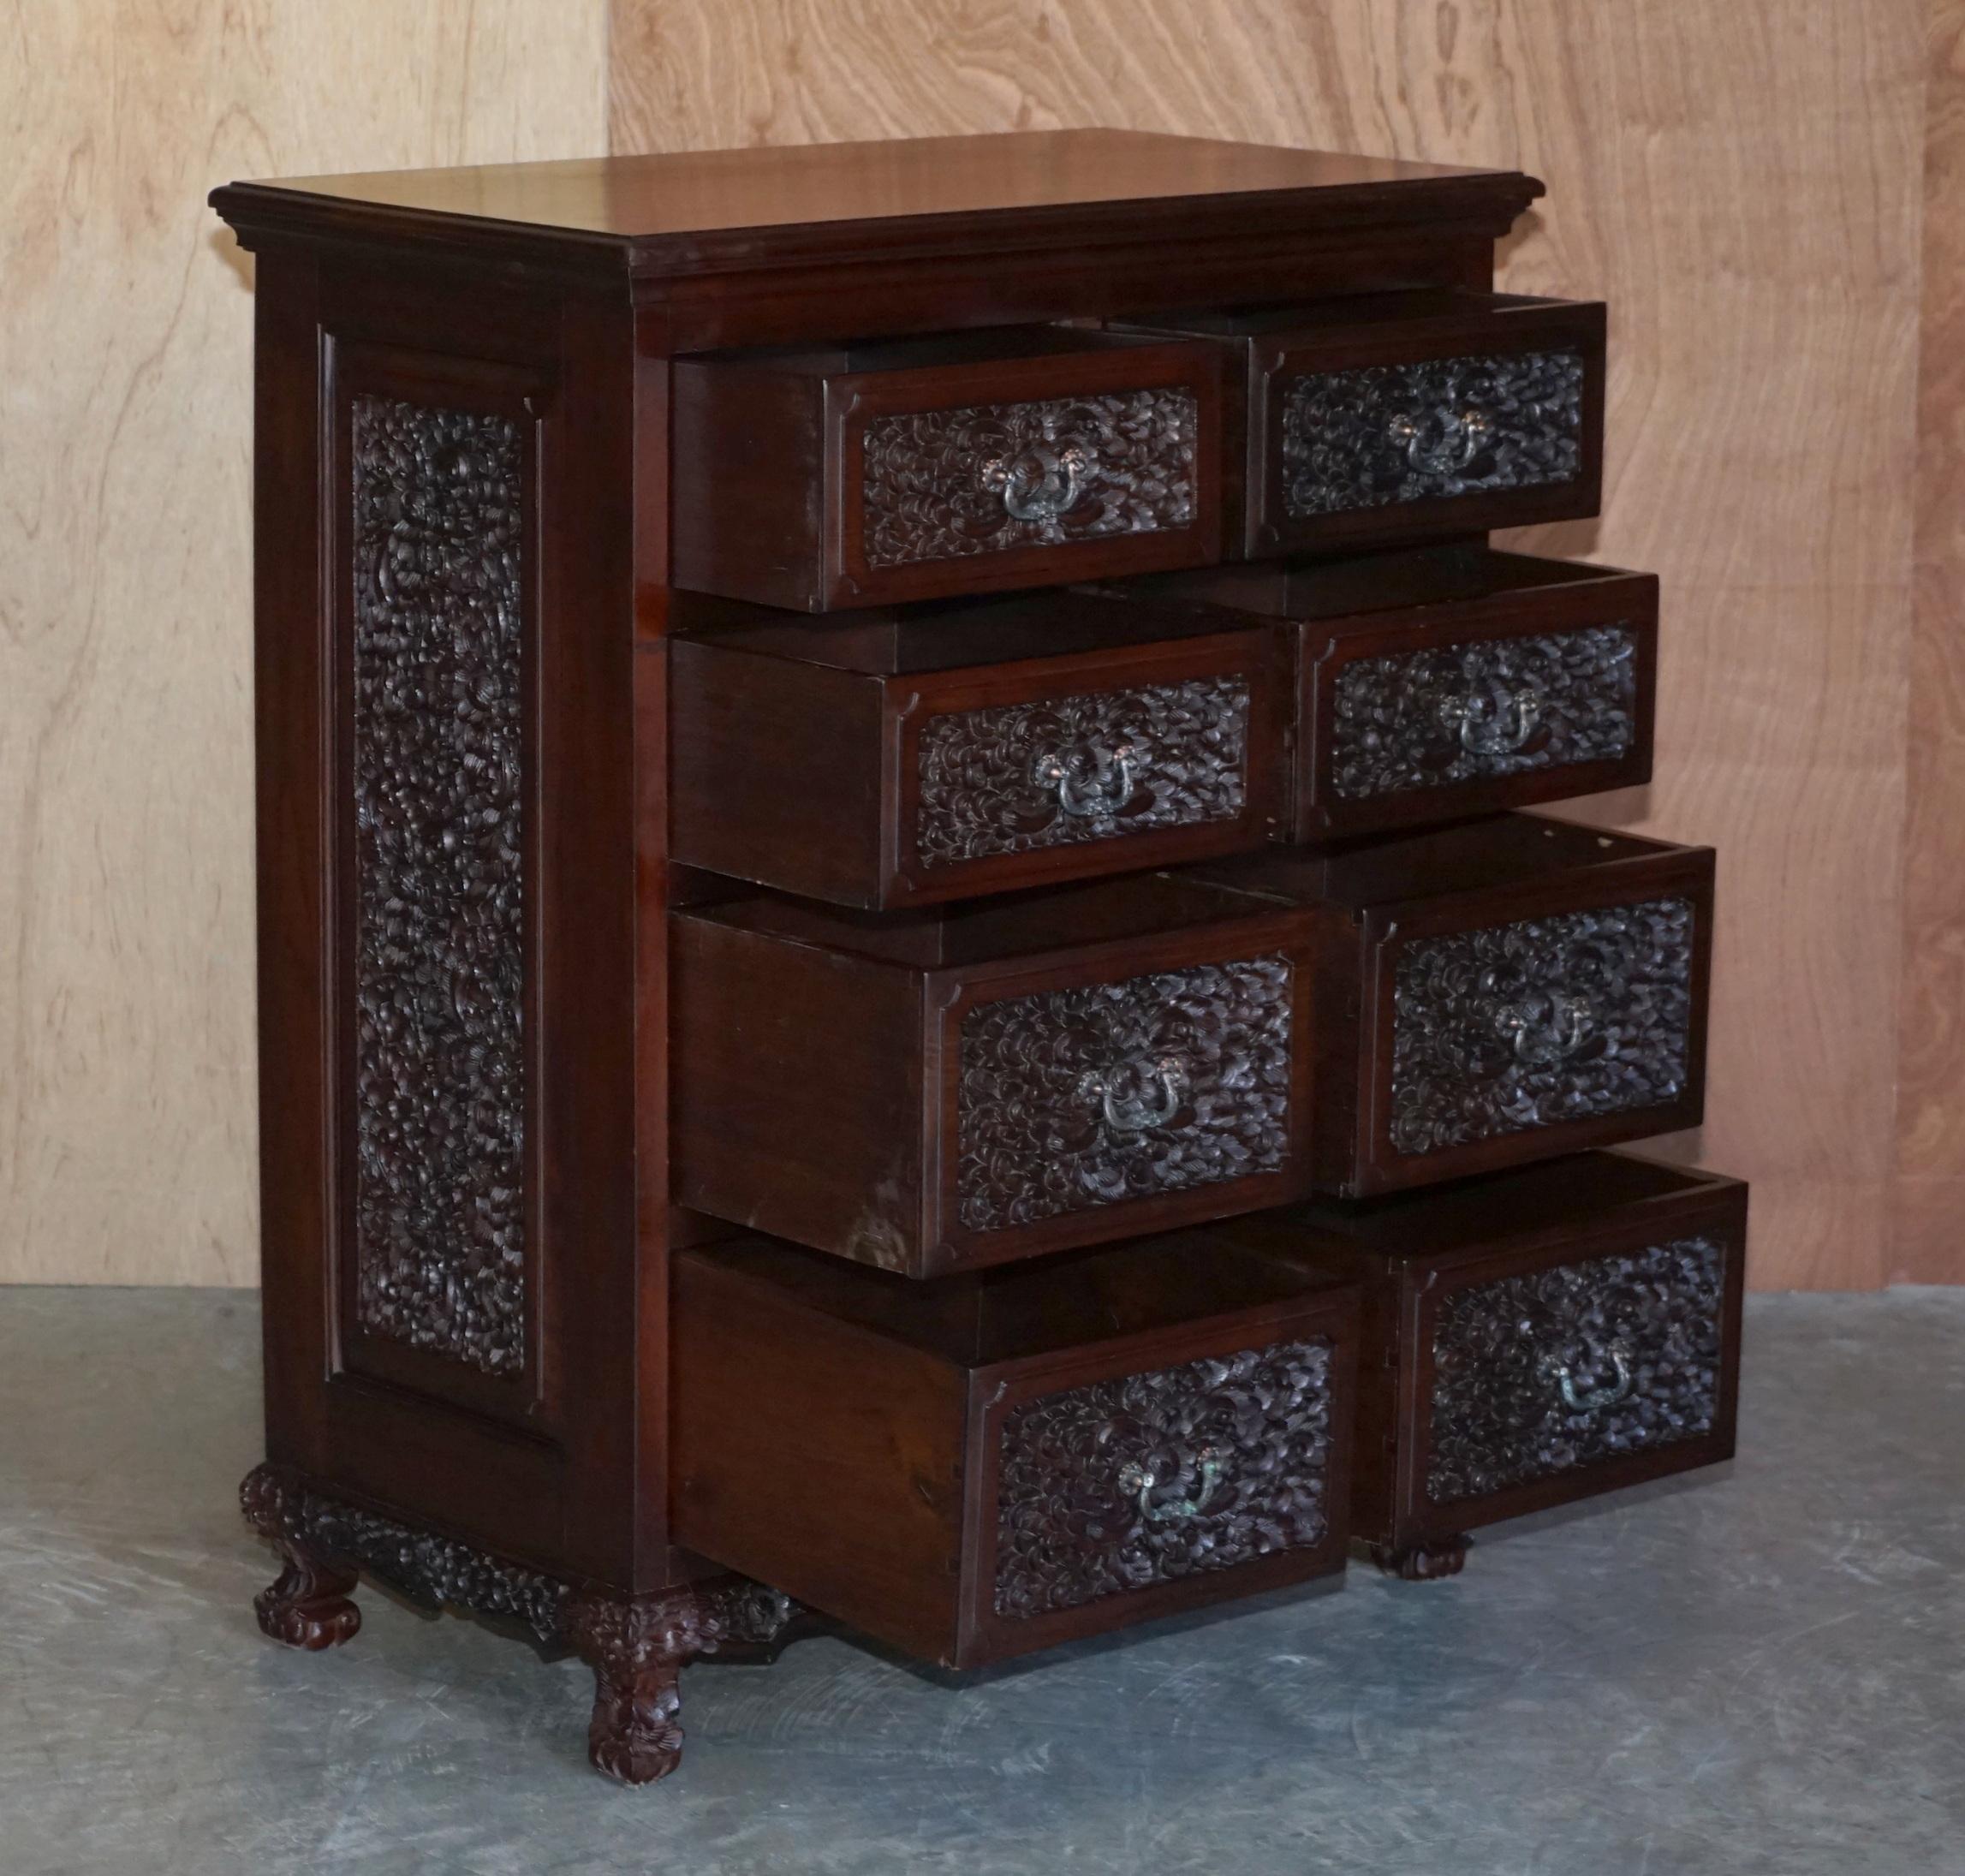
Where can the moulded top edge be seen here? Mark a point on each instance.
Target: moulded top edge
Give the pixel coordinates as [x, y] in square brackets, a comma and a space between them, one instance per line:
[730, 211]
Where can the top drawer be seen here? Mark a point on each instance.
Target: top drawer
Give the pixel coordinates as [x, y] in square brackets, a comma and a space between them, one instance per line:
[964, 462]
[1406, 415]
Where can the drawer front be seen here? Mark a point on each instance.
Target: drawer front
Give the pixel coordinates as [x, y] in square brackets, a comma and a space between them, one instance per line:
[1448, 718]
[1121, 1485]
[997, 478]
[1550, 1372]
[1023, 777]
[1072, 1100]
[1431, 431]
[1513, 1028]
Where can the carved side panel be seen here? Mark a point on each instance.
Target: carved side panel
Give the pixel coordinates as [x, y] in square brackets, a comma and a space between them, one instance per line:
[1441, 427]
[1453, 713]
[439, 940]
[1540, 1373]
[1118, 1484]
[1073, 1099]
[1019, 776]
[1532, 1024]
[941, 484]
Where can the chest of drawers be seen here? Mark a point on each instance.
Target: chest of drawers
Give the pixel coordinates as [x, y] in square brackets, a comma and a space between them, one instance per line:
[899, 981]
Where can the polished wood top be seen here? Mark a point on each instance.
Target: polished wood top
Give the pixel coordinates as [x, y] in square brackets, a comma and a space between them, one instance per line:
[726, 210]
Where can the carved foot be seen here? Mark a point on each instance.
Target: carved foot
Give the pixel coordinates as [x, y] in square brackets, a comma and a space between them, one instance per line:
[1426, 1562]
[308, 1605]
[636, 1649]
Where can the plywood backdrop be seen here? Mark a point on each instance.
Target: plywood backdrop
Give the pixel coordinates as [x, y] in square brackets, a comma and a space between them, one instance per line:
[127, 1134]
[1930, 1219]
[1743, 183]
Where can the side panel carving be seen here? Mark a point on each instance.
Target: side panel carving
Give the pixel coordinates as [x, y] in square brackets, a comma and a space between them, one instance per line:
[1429, 720]
[1122, 1484]
[1020, 777]
[439, 926]
[1528, 1025]
[1441, 427]
[1072, 1098]
[940, 485]
[1554, 1369]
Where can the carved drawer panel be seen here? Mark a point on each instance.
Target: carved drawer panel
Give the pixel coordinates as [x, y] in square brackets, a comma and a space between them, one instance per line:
[1145, 1479]
[941, 754]
[1107, 1092]
[1539, 1336]
[1540, 1021]
[1499, 992]
[1403, 415]
[1436, 682]
[1537, 1374]
[961, 462]
[999, 1461]
[997, 1080]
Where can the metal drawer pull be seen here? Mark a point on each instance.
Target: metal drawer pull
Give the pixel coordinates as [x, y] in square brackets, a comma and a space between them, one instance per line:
[1140, 1092]
[1498, 722]
[1136, 1482]
[1039, 484]
[1441, 442]
[1540, 1044]
[1593, 1400]
[1090, 782]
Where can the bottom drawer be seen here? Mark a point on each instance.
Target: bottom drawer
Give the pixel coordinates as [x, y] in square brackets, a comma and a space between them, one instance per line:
[980, 1467]
[1530, 1339]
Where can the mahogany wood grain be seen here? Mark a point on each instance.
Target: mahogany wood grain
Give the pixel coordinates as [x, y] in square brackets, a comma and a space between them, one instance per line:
[797, 748]
[839, 1429]
[817, 1059]
[1390, 604]
[1407, 1250]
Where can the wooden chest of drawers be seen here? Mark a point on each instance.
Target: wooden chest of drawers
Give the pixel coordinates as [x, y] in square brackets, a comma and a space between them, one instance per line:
[898, 983]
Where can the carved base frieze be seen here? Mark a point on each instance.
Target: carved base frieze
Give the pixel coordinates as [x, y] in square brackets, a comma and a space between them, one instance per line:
[637, 1646]
[1426, 1562]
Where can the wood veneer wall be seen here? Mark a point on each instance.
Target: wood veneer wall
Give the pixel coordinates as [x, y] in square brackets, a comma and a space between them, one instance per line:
[127, 1131]
[1743, 183]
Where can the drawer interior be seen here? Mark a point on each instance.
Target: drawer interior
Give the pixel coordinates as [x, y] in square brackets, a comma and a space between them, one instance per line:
[938, 636]
[979, 931]
[1489, 855]
[1402, 307]
[1021, 1312]
[1454, 574]
[923, 351]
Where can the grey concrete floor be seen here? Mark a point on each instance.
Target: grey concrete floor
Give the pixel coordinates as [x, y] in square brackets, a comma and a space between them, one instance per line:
[1759, 1670]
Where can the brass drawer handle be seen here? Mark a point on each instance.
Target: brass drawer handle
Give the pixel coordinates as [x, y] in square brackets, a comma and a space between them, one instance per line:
[1137, 1483]
[1440, 443]
[1540, 1042]
[1089, 780]
[1141, 1093]
[1039, 484]
[1595, 1400]
[1496, 722]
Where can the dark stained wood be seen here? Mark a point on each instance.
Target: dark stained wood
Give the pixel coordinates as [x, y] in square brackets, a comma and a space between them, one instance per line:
[1409, 1250]
[819, 1090]
[697, 1061]
[1273, 346]
[1375, 900]
[1461, 599]
[780, 504]
[798, 750]
[726, 210]
[840, 1428]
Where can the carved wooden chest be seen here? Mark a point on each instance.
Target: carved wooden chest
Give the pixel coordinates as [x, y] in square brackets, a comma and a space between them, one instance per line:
[899, 985]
